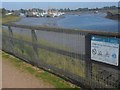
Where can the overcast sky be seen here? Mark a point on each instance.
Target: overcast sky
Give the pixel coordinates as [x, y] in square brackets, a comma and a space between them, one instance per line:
[46, 5]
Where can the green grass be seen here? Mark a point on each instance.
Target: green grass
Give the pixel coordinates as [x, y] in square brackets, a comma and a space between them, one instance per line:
[40, 74]
[63, 62]
[114, 11]
[10, 18]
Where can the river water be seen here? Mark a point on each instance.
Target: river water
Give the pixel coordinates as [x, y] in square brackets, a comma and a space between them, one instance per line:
[82, 22]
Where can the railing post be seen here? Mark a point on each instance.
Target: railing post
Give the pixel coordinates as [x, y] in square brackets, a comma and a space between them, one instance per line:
[88, 66]
[34, 41]
[1, 36]
[119, 68]
[119, 59]
[11, 40]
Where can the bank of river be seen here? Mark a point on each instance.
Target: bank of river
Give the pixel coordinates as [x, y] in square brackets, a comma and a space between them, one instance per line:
[10, 18]
[82, 22]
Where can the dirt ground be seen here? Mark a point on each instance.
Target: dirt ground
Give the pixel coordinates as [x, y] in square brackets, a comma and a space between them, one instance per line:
[15, 78]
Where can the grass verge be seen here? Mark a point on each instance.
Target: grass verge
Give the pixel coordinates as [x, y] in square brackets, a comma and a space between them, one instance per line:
[10, 18]
[40, 74]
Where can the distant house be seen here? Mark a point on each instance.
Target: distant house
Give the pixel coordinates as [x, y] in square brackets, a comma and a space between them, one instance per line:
[54, 13]
[29, 14]
[22, 14]
[48, 13]
[8, 14]
[32, 14]
[95, 12]
[16, 12]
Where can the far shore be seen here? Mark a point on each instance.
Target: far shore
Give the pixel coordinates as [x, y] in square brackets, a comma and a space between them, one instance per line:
[10, 18]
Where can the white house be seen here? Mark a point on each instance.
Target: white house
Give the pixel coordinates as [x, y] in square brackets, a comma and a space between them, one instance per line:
[8, 13]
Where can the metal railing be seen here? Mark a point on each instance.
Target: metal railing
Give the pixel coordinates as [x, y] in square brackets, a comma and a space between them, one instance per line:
[64, 52]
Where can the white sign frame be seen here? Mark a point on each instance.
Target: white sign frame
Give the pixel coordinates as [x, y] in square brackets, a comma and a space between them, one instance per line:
[105, 50]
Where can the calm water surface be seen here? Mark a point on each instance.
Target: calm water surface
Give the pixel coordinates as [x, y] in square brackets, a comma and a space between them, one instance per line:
[82, 22]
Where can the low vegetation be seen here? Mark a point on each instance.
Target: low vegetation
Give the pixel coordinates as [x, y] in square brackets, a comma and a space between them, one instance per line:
[113, 14]
[10, 18]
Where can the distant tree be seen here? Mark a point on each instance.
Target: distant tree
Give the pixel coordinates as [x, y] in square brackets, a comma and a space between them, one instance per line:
[4, 11]
[85, 9]
[79, 9]
[22, 10]
[61, 10]
[113, 7]
[68, 10]
[97, 8]
[40, 10]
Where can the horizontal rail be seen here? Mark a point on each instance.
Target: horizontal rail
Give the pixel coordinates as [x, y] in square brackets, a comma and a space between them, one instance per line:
[59, 51]
[55, 50]
[64, 30]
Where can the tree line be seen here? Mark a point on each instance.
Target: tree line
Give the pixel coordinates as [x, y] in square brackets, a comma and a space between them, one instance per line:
[4, 11]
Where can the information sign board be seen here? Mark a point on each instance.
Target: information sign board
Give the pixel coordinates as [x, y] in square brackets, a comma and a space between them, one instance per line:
[105, 49]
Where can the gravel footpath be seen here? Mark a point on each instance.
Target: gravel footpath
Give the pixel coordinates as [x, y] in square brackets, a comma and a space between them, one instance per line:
[15, 78]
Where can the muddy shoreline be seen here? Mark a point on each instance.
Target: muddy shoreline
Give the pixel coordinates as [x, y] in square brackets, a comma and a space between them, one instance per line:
[113, 16]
